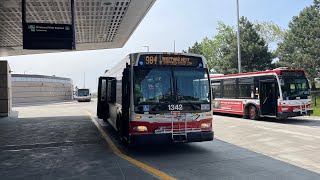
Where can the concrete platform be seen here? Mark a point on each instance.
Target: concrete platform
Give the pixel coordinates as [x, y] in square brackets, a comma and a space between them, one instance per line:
[59, 141]
[67, 147]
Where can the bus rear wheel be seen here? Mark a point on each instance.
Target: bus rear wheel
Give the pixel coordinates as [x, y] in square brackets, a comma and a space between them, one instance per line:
[253, 113]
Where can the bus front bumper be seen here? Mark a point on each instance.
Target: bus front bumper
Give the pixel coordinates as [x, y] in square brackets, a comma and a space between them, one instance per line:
[284, 115]
[142, 139]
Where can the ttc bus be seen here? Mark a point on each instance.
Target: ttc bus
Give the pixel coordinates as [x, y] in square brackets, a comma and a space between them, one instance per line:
[83, 95]
[157, 98]
[279, 93]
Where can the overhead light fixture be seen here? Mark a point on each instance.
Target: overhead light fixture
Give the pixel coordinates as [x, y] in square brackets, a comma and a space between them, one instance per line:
[107, 3]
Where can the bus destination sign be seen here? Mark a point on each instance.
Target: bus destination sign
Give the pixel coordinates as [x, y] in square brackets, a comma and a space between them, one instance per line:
[292, 73]
[169, 60]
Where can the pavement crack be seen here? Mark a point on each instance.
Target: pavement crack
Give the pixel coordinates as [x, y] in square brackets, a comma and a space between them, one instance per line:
[54, 165]
[120, 169]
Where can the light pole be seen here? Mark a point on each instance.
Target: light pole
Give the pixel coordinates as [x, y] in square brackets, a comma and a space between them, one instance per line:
[146, 47]
[238, 39]
[84, 80]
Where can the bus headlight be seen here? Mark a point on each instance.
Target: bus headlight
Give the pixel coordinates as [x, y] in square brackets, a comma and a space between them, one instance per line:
[205, 125]
[140, 128]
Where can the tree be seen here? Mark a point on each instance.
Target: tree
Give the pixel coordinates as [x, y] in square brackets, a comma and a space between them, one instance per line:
[222, 54]
[255, 55]
[301, 45]
[195, 49]
[270, 32]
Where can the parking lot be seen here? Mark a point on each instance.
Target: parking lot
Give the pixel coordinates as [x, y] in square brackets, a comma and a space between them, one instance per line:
[59, 141]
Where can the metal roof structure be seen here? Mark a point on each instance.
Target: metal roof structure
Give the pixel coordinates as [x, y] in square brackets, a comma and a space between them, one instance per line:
[100, 24]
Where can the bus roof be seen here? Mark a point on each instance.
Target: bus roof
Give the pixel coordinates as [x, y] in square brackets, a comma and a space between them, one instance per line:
[173, 53]
[276, 71]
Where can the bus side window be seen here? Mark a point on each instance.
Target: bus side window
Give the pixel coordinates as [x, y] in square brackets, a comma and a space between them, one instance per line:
[213, 93]
[216, 89]
[229, 88]
[103, 90]
[111, 91]
[246, 87]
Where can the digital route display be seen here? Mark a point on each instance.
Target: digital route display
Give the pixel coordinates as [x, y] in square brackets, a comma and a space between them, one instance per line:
[169, 60]
[293, 73]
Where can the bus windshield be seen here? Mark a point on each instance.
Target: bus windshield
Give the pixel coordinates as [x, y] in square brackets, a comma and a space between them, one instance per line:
[83, 92]
[191, 85]
[171, 85]
[153, 85]
[295, 87]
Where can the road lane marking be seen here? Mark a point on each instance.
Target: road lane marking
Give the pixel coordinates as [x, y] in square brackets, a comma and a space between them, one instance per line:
[116, 151]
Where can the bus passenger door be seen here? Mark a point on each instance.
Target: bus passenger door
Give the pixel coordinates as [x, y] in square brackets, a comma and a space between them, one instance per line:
[268, 98]
[102, 106]
[124, 129]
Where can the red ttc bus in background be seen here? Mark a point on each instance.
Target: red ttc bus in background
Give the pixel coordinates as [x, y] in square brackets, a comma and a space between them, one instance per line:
[279, 93]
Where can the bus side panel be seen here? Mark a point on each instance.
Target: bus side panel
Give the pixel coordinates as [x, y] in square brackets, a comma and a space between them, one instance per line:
[228, 106]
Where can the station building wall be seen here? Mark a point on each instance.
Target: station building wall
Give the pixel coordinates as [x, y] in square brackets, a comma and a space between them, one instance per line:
[39, 88]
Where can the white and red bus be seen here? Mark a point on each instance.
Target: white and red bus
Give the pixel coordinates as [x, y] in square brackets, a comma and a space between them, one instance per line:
[83, 95]
[279, 93]
[156, 98]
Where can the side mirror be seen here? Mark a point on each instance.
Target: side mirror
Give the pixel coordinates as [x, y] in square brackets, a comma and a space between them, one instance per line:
[90, 94]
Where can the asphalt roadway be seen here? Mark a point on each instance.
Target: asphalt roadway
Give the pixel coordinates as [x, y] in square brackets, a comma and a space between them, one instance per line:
[59, 141]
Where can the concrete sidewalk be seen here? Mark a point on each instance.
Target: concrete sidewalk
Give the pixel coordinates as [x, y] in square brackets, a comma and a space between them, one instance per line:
[65, 147]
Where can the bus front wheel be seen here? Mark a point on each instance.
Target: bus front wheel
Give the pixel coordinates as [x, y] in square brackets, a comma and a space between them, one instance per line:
[253, 113]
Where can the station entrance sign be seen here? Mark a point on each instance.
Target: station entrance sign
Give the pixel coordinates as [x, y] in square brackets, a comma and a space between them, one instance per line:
[47, 36]
[39, 36]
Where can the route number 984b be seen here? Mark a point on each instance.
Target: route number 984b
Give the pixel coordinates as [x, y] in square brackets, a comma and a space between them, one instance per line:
[175, 107]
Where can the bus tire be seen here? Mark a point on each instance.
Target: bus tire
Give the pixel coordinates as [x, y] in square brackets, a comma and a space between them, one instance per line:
[253, 112]
[246, 113]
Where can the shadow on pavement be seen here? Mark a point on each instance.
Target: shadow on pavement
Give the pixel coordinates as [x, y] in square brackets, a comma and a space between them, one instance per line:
[66, 147]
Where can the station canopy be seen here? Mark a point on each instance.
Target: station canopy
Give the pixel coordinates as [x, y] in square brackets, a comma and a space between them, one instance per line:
[99, 24]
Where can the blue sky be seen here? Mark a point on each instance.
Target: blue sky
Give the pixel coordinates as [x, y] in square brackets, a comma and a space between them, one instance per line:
[184, 21]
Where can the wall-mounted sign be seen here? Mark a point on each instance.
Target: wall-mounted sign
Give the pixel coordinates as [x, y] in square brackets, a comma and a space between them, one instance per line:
[47, 36]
